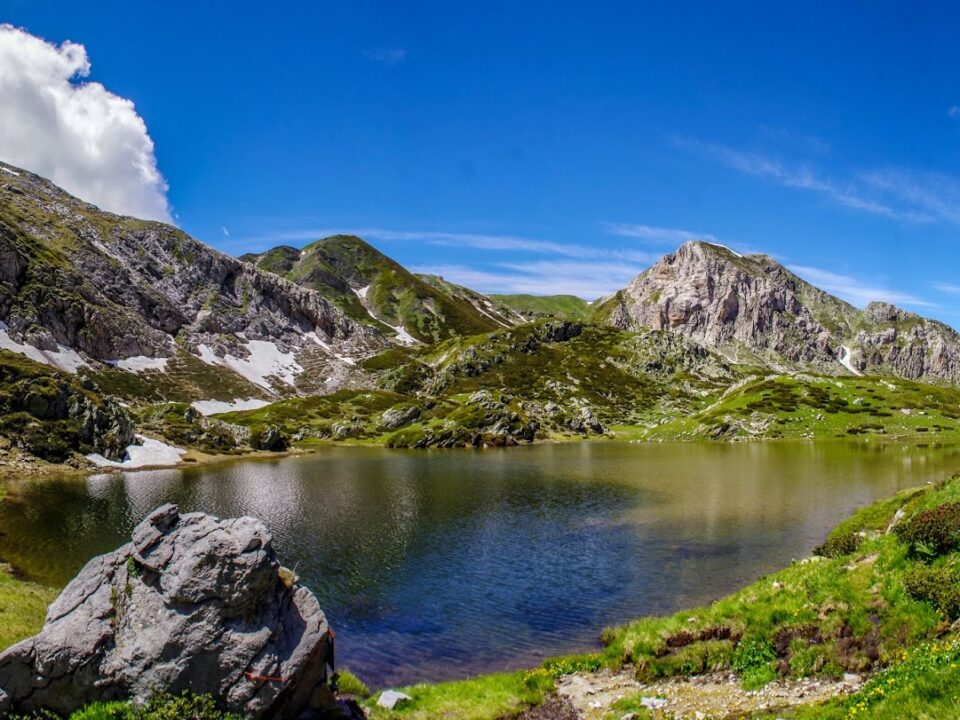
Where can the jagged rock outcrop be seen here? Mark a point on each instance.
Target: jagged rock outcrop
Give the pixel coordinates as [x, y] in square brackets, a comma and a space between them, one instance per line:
[86, 286]
[752, 308]
[905, 344]
[50, 415]
[723, 300]
[192, 603]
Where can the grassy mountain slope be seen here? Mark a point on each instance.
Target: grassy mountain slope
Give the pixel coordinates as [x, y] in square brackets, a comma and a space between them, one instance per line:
[562, 379]
[532, 307]
[483, 304]
[550, 379]
[374, 289]
[806, 406]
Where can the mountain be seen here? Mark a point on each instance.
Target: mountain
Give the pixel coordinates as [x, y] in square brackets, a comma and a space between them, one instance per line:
[525, 308]
[754, 310]
[375, 290]
[147, 310]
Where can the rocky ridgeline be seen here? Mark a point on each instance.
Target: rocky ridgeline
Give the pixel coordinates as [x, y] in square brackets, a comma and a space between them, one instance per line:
[84, 285]
[754, 309]
[192, 603]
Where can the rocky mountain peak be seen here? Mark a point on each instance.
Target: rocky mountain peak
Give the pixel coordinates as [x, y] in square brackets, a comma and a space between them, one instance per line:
[754, 309]
[742, 303]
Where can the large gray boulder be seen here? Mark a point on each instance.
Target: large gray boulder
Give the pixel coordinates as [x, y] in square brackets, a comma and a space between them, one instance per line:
[192, 603]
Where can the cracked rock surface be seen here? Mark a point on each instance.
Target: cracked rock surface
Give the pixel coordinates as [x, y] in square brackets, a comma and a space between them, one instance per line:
[192, 603]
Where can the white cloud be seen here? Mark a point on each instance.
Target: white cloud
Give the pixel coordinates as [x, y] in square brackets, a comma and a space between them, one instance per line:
[589, 280]
[854, 291]
[78, 134]
[850, 193]
[932, 194]
[954, 111]
[387, 56]
[674, 236]
[475, 241]
[946, 288]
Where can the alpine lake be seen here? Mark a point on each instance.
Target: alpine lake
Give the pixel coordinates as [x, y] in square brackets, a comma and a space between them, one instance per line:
[436, 565]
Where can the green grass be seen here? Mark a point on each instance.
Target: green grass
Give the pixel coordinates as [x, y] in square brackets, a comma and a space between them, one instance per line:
[484, 698]
[531, 306]
[794, 407]
[23, 606]
[922, 685]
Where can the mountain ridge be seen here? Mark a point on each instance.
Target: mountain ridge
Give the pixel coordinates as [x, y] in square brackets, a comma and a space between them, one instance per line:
[82, 287]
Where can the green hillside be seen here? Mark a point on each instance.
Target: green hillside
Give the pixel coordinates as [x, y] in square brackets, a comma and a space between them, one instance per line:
[531, 307]
[374, 289]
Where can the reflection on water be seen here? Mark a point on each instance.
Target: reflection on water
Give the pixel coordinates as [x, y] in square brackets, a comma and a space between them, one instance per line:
[434, 565]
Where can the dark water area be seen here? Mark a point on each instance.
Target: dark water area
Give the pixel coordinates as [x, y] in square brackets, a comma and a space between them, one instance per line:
[442, 564]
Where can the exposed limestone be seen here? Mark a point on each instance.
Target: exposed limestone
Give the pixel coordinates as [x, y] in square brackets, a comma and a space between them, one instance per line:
[752, 308]
[192, 603]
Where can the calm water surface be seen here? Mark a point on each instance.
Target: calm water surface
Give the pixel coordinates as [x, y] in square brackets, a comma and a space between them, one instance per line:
[435, 565]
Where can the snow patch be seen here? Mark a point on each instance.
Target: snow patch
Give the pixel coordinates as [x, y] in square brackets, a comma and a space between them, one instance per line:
[265, 360]
[845, 355]
[9, 171]
[403, 337]
[63, 358]
[149, 453]
[140, 363]
[362, 292]
[326, 346]
[215, 407]
[483, 312]
[719, 245]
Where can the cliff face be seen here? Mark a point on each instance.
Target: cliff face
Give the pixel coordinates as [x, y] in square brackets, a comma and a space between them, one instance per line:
[902, 343]
[752, 308]
[79, 286]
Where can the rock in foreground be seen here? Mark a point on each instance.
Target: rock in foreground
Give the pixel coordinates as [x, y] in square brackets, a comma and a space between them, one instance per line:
[192, 603]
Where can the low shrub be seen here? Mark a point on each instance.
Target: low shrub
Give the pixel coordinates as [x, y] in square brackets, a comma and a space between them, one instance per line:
[753, 662]
[939, 586]
[839, 545]
[932, 532]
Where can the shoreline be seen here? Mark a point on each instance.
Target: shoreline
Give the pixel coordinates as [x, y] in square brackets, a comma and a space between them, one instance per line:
[196, 458]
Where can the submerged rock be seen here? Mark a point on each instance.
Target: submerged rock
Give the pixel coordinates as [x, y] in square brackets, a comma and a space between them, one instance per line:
[192, 603]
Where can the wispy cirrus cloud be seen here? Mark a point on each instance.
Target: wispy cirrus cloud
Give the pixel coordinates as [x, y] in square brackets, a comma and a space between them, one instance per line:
[386, 56]
[476, 241]
[589, 280]
[895, 194]
[856, 291]
[932, 194]
[946, 288]
[651, 233]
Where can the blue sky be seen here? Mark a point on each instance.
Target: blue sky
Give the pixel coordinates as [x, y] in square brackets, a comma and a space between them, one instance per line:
[552, 147]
